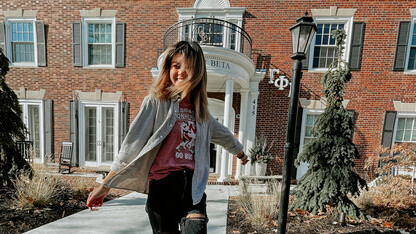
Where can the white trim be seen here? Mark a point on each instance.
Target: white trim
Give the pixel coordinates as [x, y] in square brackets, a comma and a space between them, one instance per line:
[404, 107]
[333, 11]
[318, 104]
[227, 14]
[348, 23]
[211, 4]
[9, 51]
[100, 20]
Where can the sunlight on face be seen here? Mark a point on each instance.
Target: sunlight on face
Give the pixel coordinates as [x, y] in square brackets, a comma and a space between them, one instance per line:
[179, 73]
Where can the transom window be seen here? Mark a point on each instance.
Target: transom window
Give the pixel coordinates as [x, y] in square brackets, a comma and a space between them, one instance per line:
[406, 130]
[23, 49]
[325, 49]
[99, 43]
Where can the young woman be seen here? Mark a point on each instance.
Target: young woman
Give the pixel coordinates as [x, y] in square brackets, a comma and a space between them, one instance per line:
[166, 151]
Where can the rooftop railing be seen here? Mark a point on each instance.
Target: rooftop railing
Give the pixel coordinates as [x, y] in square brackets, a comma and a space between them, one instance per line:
[209, 32]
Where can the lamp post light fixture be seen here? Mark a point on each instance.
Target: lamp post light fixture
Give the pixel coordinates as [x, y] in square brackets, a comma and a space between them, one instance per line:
[302, 34]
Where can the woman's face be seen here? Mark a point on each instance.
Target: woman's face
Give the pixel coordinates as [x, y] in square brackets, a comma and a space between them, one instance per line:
[179, 73]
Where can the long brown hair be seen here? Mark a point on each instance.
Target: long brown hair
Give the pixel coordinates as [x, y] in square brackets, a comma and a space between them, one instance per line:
[163, 88]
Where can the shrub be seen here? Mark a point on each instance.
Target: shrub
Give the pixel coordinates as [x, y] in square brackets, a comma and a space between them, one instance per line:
[261, 209]
[37, 190]
[390, 188]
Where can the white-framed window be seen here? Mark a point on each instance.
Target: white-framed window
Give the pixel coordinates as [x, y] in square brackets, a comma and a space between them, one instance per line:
[309, 117]
[405, 131]
[212, 32]
[405, 128]
[411, 50]
[21, 40]
[33, 118]
[213, 23]
[322, 51]
[99, 37]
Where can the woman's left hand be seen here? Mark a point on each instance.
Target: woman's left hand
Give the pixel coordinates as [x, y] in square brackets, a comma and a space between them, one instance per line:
[243, 158]
[96, 197]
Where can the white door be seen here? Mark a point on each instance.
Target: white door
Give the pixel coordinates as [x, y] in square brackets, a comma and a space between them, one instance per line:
[32, 116]
[99, 140]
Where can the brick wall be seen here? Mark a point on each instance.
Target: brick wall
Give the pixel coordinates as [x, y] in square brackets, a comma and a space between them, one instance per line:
[371, 90]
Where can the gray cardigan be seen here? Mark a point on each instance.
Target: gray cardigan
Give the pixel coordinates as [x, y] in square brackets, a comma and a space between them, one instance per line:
[149, 128]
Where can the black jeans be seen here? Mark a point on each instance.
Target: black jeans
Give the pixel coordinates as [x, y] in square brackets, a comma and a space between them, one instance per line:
[170, 201]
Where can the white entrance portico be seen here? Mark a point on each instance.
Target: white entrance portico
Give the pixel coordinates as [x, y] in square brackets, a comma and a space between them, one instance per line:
[217, 27]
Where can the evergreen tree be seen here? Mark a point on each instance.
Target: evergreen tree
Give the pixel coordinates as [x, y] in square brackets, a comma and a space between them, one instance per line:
[12, 128]
[330, 155]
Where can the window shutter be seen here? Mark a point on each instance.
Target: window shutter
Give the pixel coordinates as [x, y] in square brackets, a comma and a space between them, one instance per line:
[124, 121]
[40, 36]
[389, 121]
[120, 28]
[73, 129]
[2, 38]
[356, 46]
[401, 46]
[48, 117]
[297, 140]
[305, 62]
[76, 44]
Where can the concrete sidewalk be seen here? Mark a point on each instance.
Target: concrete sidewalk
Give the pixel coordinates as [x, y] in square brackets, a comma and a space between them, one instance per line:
[127, 215]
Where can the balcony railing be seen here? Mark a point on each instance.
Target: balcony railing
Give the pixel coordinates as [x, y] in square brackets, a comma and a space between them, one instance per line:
[209, 32]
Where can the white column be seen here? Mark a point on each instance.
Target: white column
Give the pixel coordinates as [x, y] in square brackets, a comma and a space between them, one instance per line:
[242, 127]
[251, 126]
[227, 122]
[218, 159]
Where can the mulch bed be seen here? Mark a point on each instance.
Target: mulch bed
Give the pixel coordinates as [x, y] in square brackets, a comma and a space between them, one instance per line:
[18, 220]
[382, 220]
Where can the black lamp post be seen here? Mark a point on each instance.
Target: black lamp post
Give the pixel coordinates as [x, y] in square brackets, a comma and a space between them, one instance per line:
[302, 34]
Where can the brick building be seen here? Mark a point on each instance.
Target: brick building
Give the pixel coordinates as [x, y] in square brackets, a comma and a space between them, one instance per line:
[82, 68]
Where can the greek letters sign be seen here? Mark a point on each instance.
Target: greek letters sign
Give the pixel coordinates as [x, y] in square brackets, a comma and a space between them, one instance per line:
[218, 64]
[281, 83]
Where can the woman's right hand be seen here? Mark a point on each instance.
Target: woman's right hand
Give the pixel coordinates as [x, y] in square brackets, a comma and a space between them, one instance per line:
[96, 197]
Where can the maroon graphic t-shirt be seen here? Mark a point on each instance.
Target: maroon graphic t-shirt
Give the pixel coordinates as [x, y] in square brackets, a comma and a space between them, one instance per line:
[177, 150]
